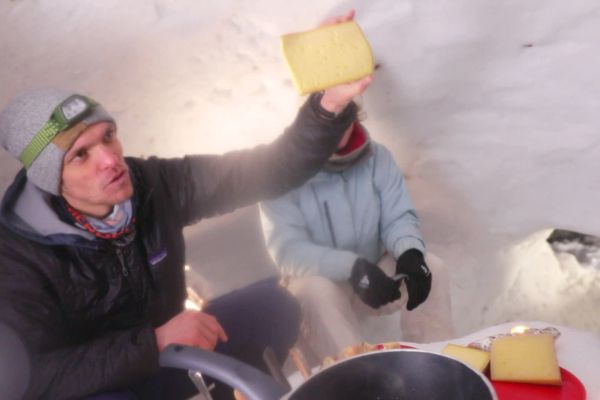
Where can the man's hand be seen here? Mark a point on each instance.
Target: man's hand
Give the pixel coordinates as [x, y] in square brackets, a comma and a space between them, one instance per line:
[372, 285]
[336, 98]
[412, 263]
[192, 328]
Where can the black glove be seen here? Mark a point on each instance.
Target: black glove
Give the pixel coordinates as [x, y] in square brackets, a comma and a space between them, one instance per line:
[372, 285]
[418, 283]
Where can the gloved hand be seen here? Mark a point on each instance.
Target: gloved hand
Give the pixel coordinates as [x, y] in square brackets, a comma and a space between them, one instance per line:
[418, 283]
[372, 285]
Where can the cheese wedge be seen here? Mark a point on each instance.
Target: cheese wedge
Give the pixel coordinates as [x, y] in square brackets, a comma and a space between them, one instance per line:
[327, 56]
[475, 358]
[525, 358]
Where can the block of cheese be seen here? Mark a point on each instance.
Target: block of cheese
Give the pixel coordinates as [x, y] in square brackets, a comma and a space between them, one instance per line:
[475, 358]
[327, 56]
[526, 359]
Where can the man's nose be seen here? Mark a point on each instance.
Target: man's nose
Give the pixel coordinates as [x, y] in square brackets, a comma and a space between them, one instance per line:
[108, 157]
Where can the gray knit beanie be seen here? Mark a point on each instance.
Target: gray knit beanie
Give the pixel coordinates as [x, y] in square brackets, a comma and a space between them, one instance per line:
[24, 117]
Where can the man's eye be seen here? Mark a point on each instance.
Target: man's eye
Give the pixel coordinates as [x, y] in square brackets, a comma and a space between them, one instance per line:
[80, 154]
[109, 135]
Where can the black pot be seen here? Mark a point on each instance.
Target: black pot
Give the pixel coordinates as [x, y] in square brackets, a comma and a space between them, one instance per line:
[382, 375]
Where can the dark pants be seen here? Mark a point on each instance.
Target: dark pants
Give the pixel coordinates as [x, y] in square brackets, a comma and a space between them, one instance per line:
[254, 317]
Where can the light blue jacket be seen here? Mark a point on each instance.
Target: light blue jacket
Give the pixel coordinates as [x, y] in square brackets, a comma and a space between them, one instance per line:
[322, 227]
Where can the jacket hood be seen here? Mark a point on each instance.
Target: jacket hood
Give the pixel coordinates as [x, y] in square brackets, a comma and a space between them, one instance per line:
[26, 210]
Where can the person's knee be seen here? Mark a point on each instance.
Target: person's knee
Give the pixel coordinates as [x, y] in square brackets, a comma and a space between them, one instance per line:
[436, 265]
[287, 312]
[259, 315]
[441, 279]
[283, 316]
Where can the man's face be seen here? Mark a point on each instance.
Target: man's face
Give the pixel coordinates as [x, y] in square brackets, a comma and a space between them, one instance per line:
[94, 175]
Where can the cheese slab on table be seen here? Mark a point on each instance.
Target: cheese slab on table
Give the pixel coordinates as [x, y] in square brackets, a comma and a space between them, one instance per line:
[475, 358]
[327, 56]
[526, 359]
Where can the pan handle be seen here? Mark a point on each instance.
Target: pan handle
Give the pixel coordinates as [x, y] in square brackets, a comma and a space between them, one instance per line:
[275, 368]
[253, 384]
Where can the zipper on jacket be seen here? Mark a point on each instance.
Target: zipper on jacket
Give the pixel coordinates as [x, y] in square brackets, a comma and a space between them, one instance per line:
[330, 224]
[124, 269]
[133, 282]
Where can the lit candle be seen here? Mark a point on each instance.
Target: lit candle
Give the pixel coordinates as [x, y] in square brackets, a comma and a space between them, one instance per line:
[519, 330]
[191, 305]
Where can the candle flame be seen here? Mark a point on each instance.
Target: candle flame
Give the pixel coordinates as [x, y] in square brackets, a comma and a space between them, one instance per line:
[190, 305]
[519, 329]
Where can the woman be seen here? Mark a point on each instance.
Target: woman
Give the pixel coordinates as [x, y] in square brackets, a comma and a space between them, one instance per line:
[346, 240]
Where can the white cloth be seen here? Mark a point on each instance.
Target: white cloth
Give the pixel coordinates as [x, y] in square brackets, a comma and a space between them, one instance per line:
[334, 317]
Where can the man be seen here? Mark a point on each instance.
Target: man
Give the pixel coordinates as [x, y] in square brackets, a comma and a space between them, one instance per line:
[92, 250]
[345, 241]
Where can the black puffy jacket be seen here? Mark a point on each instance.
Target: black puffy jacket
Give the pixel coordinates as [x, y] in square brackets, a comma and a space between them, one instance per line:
[87, 308]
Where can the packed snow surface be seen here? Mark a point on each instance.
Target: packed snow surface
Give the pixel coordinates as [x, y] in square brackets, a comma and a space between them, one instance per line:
[490, 108]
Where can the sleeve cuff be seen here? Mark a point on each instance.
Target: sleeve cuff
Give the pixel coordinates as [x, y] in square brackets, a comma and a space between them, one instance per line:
[407, 243]
[349, 112]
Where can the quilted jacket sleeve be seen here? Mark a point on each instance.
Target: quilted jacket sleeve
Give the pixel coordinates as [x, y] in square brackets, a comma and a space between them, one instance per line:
[207, 185]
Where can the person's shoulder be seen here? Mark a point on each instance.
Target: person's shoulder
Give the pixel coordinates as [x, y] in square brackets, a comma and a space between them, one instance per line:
[137, 162]
[151, 163]
[378, 154]
[382, 153]
[17, 252]
[143, 168]
[379, 149]
[384, 161]
[7, 237]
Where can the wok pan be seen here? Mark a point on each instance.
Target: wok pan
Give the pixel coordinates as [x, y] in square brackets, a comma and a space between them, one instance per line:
[383, 375]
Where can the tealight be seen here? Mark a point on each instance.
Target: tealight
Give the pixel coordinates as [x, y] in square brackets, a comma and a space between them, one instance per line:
[519, 330]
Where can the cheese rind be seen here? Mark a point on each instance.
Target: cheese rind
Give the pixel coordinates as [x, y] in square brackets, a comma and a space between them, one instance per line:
[525, 358]
[475, 358]
[327, 56]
